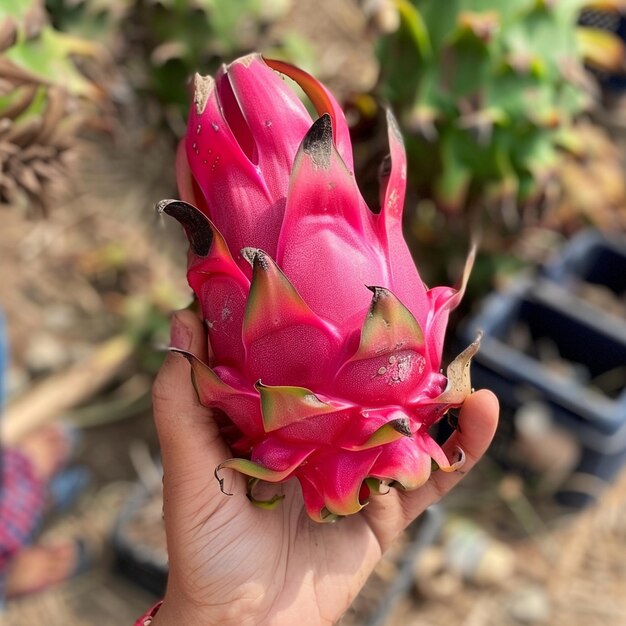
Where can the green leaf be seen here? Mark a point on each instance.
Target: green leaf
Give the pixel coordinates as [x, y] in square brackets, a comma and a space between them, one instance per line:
[16, 9]
[452, 185]
[48, 57]
[281, 406]
[415, 25]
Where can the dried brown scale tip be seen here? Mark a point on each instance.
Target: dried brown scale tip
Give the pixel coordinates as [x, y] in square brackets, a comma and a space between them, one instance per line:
[318, 142]
[202, 91]
[402, 425]
[220, 480]
[458, 374]
[256, 258]
[195, 223]
[187, 355]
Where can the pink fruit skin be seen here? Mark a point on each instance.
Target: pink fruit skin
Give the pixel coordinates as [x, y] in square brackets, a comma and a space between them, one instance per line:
[325, 345]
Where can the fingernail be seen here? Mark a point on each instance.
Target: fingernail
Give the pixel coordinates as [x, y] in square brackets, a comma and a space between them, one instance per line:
[180, 335]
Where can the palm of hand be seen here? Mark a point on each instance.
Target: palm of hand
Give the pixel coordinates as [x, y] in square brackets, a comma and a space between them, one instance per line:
[252, 566]
[233, 563]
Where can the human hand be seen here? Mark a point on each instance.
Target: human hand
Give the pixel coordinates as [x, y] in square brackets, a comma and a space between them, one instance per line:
[232, 563]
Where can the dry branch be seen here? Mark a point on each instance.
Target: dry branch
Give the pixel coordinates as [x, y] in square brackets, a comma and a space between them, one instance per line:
[65, 390]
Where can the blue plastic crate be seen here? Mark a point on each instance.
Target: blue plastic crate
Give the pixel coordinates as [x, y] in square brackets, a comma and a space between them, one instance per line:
[597, 420]
[591, 257]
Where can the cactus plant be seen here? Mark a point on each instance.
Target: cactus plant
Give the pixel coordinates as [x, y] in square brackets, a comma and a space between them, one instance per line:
[488, 91]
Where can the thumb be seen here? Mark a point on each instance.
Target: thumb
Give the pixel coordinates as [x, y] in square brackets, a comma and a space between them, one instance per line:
[478, 421]
[188, 435]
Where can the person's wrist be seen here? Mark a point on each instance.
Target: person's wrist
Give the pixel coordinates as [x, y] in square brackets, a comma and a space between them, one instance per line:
[177, 612]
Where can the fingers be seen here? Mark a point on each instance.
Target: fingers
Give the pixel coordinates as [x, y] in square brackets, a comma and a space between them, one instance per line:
[187, 433]
[477, 425]
[478, 420]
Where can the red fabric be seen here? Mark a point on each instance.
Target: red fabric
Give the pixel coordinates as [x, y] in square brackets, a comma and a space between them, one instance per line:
[146, 618]
[22, 499]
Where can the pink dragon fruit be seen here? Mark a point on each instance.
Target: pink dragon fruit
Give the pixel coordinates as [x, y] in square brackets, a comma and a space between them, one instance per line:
[325, 345]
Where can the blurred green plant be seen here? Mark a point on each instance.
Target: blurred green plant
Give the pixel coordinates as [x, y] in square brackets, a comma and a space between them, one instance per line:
[490, 96]
[487, 93]
[39, 85]
[163, 42]
[98, 20]
[185, 36]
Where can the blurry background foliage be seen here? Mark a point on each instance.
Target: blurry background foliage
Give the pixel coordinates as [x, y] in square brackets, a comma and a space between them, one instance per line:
[39, 112]
[163, 42]
[492, 97]
[489, 96]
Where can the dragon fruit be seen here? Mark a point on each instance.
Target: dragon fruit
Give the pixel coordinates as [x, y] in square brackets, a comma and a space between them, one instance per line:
[324, 344]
